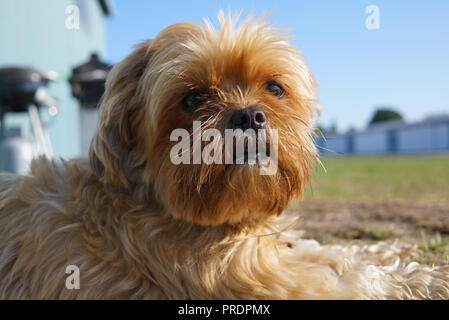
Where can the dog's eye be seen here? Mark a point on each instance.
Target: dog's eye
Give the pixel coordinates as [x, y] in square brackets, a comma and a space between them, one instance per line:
[275, 89]
[192, 100]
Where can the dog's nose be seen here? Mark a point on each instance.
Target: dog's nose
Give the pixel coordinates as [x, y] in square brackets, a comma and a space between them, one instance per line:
[248, 118]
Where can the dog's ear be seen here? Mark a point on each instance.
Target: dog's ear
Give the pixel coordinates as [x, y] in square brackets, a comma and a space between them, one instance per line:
[121, 110]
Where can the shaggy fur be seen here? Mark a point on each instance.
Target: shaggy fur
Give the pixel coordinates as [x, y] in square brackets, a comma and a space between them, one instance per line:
[138, 226]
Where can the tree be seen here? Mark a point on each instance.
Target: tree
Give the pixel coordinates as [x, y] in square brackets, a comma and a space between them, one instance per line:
[385, 114]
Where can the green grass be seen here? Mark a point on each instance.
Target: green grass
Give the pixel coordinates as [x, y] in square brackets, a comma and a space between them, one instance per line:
[435, 249]
[420, 178]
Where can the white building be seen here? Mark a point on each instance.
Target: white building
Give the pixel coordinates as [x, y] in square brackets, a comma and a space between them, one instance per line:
[428, 136]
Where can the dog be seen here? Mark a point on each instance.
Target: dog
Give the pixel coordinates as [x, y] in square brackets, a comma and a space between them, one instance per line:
[135, 225]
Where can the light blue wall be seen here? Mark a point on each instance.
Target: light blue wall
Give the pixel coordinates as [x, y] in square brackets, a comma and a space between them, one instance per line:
[34, 33]
[414, 138]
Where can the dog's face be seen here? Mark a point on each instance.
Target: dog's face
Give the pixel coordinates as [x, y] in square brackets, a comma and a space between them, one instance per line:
[233, 78]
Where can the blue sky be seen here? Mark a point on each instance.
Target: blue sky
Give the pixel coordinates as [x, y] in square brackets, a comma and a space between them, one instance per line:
[404, 64]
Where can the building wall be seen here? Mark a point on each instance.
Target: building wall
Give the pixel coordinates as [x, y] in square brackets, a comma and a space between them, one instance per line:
[425, 137]
[34, 33]
[371, 142]
[334, 144]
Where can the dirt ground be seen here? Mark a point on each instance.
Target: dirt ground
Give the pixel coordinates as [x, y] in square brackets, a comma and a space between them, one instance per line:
[423, 225]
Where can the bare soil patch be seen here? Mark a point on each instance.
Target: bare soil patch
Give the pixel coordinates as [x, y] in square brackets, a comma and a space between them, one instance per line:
[346, 222]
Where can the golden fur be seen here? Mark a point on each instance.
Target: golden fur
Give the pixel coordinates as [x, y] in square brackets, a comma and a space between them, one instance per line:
[138, 226]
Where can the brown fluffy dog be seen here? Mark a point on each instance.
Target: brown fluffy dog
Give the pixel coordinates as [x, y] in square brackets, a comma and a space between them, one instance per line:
[139, 226]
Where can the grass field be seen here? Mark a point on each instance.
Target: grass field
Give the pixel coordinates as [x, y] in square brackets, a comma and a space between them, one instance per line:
[368, 199]
[417, 178]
